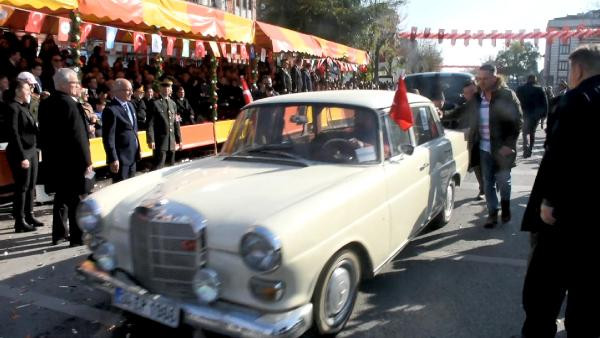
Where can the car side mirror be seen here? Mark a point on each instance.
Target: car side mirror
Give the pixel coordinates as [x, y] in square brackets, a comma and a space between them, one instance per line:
[407, 149]
[299, 119]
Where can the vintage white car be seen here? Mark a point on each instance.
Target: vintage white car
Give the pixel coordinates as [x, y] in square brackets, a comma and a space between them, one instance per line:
[311, 194]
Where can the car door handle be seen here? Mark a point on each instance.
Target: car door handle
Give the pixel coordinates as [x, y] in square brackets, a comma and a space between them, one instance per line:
[424, 166]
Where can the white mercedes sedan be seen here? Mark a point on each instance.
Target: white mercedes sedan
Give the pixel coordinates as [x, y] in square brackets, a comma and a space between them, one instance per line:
[311, 194]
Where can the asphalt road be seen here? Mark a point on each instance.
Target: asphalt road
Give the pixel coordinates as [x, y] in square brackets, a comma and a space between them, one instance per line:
[458, 281]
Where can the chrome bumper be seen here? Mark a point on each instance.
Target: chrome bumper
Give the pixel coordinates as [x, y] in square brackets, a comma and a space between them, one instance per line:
[221, 317]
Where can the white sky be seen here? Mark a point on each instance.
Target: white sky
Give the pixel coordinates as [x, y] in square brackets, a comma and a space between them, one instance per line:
[486, 15]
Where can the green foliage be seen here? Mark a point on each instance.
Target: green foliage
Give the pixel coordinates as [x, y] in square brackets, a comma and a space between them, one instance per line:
[518, 61]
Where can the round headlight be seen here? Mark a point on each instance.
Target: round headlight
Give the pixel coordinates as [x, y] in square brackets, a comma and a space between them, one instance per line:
[88, 216]
[105, 256]
[206, 285]
[261, 250]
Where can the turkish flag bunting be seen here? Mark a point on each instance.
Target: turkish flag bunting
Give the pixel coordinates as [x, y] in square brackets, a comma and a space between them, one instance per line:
[234, 51]
[215, 48]
[34, 22]
[139, 42]
[86, 29]
[223, 46]
[200, 51]
[244, 52]
[64, 27]
[400, 111]
[170, 45]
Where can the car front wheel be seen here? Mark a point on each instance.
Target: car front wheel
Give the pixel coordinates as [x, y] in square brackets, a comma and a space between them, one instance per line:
[336, 292]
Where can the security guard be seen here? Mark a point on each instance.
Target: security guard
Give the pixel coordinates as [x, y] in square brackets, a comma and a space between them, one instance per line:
[163, 134]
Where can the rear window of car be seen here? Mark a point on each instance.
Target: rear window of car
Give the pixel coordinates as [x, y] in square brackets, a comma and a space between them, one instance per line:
[429, 84]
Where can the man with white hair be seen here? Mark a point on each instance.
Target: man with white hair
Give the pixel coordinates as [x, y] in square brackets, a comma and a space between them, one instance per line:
[66, 153]
[119, 132]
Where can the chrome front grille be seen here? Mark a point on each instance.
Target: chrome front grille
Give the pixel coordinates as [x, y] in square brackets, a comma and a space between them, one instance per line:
[168, 243]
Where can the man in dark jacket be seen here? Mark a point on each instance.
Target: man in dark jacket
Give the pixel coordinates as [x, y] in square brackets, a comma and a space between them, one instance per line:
[561, 218]
[163, 134]
[495, 122]
[184, 108]
[65, 153]
[306, 80]
[119, 133]
[535, 105]
[137, 99]
[297, 83]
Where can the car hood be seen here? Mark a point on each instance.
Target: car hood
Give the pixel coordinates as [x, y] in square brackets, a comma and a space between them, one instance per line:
[233, 196]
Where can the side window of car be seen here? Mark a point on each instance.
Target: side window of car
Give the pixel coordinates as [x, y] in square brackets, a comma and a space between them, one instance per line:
[422, 126]
[397, 137]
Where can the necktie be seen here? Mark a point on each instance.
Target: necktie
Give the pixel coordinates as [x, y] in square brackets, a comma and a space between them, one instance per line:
[129, 114]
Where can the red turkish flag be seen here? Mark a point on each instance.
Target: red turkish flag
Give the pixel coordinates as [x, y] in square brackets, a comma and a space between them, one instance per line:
[400, 111]
[200, 51]
[86, 29]
[139, 42]
[34, 22]
[170, 45]
[244, 52]
[246, 91]
[64, 27]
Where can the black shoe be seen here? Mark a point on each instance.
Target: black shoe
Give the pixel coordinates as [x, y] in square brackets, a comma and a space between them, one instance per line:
[34, 221]
[491, 221]
[55, 241]
[22, 226]
[480, 196]
[505, 211]
[74, 244]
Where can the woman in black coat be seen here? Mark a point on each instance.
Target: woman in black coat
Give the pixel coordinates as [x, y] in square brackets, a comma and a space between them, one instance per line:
[22, 156]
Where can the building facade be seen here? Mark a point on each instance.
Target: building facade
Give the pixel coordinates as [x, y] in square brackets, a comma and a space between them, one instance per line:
[556, 59]
[243, 8]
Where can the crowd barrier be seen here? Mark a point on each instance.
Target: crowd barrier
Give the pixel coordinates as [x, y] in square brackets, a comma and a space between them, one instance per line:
[193, 136]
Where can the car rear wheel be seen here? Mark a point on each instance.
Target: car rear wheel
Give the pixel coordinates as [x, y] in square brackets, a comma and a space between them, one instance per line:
[336, 292]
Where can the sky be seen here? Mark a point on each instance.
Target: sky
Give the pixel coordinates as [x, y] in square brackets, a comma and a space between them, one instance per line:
[486, 15]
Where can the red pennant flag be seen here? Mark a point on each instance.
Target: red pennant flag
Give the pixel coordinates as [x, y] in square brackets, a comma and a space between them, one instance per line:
[494, 36]
[453, 37]
[200, 51]
[86, 29]
[244, 52]
[64, 27]
[427, 33]
[234, 50]
[413, 33]
[34, 22]
[5, 13]
[522, 36]
[139, 42]
[247, 95]
[441, 35]
[400, 111]
[480, 37]
[467, 37]
[508, 39]
[170, 45]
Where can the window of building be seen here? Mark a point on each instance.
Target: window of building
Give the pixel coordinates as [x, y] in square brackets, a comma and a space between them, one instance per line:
[563, 65]
[564, 48]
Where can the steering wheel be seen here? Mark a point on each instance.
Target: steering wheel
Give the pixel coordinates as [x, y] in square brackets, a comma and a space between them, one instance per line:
[338, 150]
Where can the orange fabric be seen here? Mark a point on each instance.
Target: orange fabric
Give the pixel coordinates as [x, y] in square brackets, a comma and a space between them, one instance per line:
[125, 11]
[286, 40]
[206, 21]
[338, 51]
[197, 135]
[52, 5]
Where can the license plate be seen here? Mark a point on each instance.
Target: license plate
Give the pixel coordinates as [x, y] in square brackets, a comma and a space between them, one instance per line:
[156, 308]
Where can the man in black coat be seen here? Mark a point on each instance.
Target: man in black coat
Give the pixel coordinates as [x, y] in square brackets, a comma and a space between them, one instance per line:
[119, 132]
[137, 99]
[561, 217]
[495, 122]
[184, 108]
[535, 105]
[297, 83]
[163, 134]
[65, 153]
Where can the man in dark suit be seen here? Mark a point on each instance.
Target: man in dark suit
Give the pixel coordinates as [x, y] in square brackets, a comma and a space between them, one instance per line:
[119, 132]
[561, 218]
[65, 153]
[163, 134]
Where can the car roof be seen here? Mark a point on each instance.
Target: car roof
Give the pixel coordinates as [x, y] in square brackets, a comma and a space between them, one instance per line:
[374, 99]
[443, 74]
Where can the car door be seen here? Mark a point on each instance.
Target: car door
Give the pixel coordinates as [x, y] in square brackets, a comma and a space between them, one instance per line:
[407, 181]
[428, 124]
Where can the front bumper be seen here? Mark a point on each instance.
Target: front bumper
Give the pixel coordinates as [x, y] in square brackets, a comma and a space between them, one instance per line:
[221, 317]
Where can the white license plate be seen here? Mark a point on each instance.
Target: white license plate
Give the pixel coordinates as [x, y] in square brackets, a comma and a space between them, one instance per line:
[156, 308]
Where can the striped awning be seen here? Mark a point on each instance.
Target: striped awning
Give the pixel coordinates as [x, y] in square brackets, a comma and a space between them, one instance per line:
[338, 51]
[285, 40]
[45, 6]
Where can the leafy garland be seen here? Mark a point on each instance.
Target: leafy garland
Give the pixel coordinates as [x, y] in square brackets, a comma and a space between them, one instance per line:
[213, 88]
[75, 41]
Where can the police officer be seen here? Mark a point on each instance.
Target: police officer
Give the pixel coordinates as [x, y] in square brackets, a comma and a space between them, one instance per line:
[163, 134]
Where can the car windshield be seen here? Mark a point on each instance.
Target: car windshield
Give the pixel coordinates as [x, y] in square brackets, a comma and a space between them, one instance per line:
[306, 134]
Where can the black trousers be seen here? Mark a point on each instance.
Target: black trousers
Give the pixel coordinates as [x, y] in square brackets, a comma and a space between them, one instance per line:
[25, 180]
[64, 219]
[125, 172]
[562, 266]
[162, 156]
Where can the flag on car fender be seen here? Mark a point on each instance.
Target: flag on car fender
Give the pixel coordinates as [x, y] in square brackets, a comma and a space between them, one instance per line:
[247, 95]
[400, 111]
